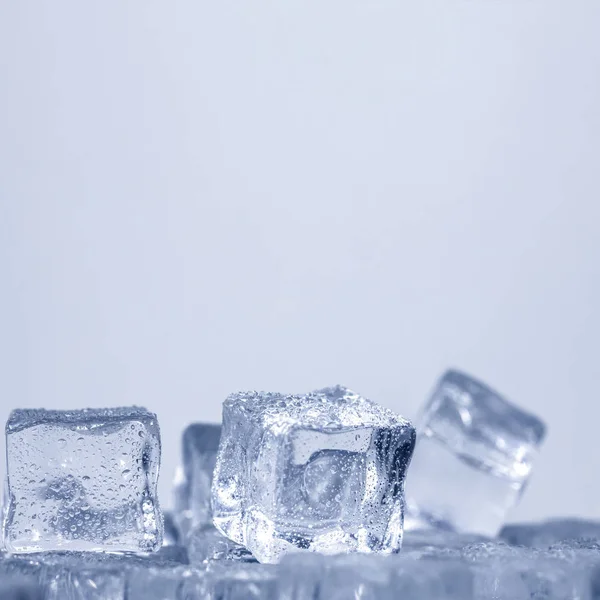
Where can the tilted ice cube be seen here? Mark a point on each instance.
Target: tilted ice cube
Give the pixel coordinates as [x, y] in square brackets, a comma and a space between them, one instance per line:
[321, 472]
[549, 532]
[200, 444]
[206, 544]
[473, 456]
[82, 480]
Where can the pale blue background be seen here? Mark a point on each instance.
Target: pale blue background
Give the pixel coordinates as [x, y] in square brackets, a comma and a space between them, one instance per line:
[197, 197]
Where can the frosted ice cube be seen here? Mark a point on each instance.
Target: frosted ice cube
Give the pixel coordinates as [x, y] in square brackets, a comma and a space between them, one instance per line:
[549, 532]
[321, 472]
[207, 544]
[82, 480]
[473, 456]
[200, 444]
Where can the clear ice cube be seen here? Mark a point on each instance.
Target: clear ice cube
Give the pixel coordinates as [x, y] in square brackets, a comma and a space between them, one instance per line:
[206, 544]
[82, 480]
[473, 456]
[321, 472]
[200, 444]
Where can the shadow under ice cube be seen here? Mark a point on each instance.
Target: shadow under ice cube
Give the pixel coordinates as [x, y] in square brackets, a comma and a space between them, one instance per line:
[473, 456]
[82, 480]
[321, 472]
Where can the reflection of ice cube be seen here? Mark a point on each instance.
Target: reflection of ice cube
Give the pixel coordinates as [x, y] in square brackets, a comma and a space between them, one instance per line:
[322, 472]
[82, 480]
[473, 456]
[193, 485]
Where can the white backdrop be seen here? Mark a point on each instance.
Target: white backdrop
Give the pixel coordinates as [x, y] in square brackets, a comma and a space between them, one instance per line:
[199, 197]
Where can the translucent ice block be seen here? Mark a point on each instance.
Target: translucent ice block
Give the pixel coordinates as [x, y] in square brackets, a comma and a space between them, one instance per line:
[321, 472]
[549, 532]
[240, 581]
[91, 575]
[473, 456]
[192, 493]
[82, 480]
[340, 577]
[432, 579]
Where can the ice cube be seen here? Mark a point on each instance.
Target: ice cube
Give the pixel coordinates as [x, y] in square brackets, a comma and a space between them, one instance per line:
[91, 575]
[82, 480]
[436, 543]
[238, 581]
[302, 575]
[178, 583]
[321, 472]
[433, 579]
[473, 456]
[549, 532]
[200, 443]
[356, 576]
[207, 544]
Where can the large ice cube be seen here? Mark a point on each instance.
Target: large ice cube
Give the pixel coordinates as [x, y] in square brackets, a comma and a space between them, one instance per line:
[321, 472]
[82, 480]
[200, 443]
[473, 456]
